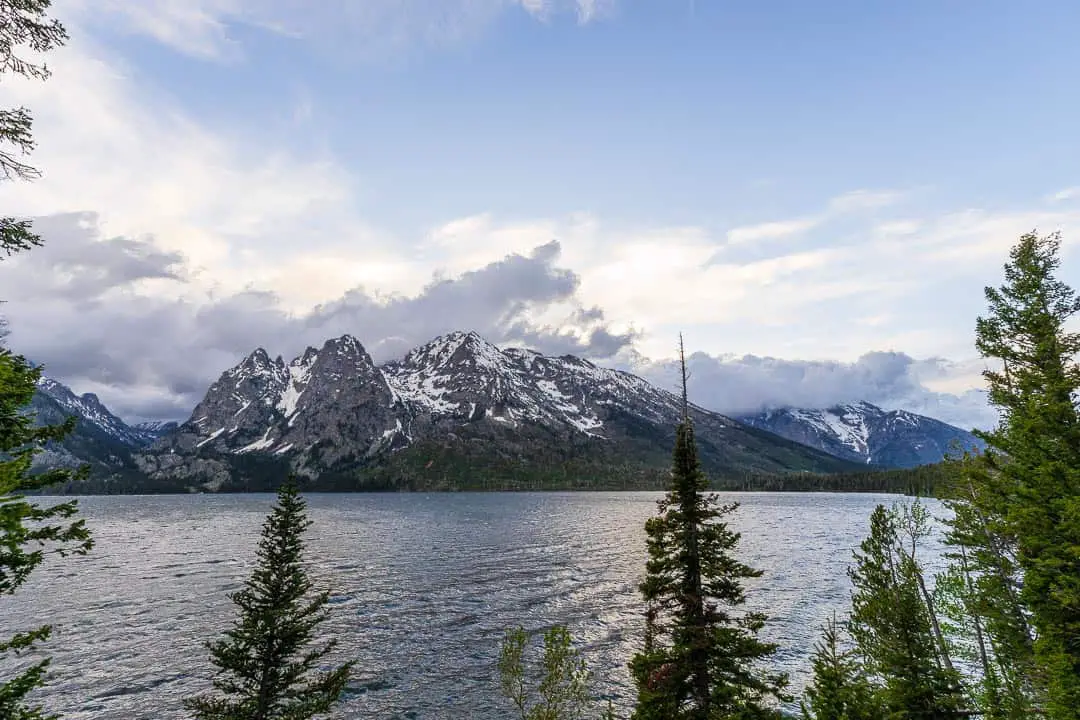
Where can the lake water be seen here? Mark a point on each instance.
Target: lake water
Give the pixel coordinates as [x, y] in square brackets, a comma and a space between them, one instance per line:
[423, 584]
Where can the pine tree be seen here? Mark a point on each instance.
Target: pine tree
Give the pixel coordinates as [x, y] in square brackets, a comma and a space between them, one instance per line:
[22, 23]
[28, 531]
[840, 689]
[1034, 456]
[267, 667]
[700, 660]
[981, 592]
[893, 628]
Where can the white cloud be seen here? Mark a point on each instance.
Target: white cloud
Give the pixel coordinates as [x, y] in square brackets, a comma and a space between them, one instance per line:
[275, 234]
[858, 200]
[1070, 193]
[748, 384]
[372, 28]
[771, 230]
[846, 204]
[239, 207]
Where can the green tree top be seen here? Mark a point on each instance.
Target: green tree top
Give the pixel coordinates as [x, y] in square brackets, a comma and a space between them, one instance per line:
[267, 664]
[701, 660]
[1033, 462]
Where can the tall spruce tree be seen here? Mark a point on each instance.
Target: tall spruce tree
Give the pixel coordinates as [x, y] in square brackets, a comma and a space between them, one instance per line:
[701, 660]
[267, 663]
[980, 592]
[28, 531]
[893, 629]
[1034, 456]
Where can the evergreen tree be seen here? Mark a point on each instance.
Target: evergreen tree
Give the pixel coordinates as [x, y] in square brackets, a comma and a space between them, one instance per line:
[700, 660]
[267, 667]
[840, 689]
[893, 628]
[28, 531]
[22, 23]
[980, 593]
[1034, 457]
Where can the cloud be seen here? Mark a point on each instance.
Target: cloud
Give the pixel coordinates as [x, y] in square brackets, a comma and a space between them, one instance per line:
[749, 384]
[207, 29]
[770, 230]
[1069, 193]
[848, 203]
[101, 314]
[104, 315]
[204, 242]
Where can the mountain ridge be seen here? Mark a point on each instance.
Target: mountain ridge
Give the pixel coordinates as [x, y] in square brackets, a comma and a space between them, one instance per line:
[333, 410]
[866, 433]
[454, 406]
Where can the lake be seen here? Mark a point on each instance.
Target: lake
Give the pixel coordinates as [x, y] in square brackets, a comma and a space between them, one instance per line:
[423, 586]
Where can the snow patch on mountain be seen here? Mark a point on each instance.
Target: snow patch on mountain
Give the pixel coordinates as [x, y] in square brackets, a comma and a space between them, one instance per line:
[867, 433]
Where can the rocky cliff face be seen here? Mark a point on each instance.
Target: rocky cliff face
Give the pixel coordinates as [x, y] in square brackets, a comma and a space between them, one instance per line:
[333, 411]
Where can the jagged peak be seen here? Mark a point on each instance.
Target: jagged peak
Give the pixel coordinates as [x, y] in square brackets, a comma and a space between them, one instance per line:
[47, 384]
[347, 347]
[345, 343]
[306, 358]
[454, 345]
[258, 355]
[257, 362]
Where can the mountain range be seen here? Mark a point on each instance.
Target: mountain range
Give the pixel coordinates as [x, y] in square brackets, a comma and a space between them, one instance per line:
[868, 434]
[459, 412]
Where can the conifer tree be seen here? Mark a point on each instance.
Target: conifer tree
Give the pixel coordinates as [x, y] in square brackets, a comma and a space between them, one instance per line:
[893, 629]
[980, 593]
[22, 23]
[1033, 498]
[840, 689]
[700, 660]
[267, 662]
[28, 531]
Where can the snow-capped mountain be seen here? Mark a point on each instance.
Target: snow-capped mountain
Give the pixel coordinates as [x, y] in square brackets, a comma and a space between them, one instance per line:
[100, 438]
[153, 429]
[88, 409]
[332, 411]
[866, 433]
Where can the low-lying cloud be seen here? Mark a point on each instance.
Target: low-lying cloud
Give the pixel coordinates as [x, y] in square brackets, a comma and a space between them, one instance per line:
[127, 320]
[121, 318]
[749, 384]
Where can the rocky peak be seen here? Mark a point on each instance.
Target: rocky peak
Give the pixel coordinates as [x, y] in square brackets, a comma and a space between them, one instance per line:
[256, 363]
[306, 359]
[341, 358]
[454, 350]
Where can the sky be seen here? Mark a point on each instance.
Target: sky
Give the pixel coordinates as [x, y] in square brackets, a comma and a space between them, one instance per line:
[815, 194]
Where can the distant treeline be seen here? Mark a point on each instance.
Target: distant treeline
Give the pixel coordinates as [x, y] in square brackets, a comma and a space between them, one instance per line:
[571, 476]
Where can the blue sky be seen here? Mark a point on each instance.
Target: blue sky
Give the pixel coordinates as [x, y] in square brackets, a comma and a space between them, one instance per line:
[804, 181]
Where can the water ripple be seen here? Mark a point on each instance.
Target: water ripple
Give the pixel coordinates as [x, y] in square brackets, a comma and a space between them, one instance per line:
[423, 587]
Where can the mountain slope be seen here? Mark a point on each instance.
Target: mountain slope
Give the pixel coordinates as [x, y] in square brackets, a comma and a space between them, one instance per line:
[457, 409]
[100, 438]
[865, 433]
